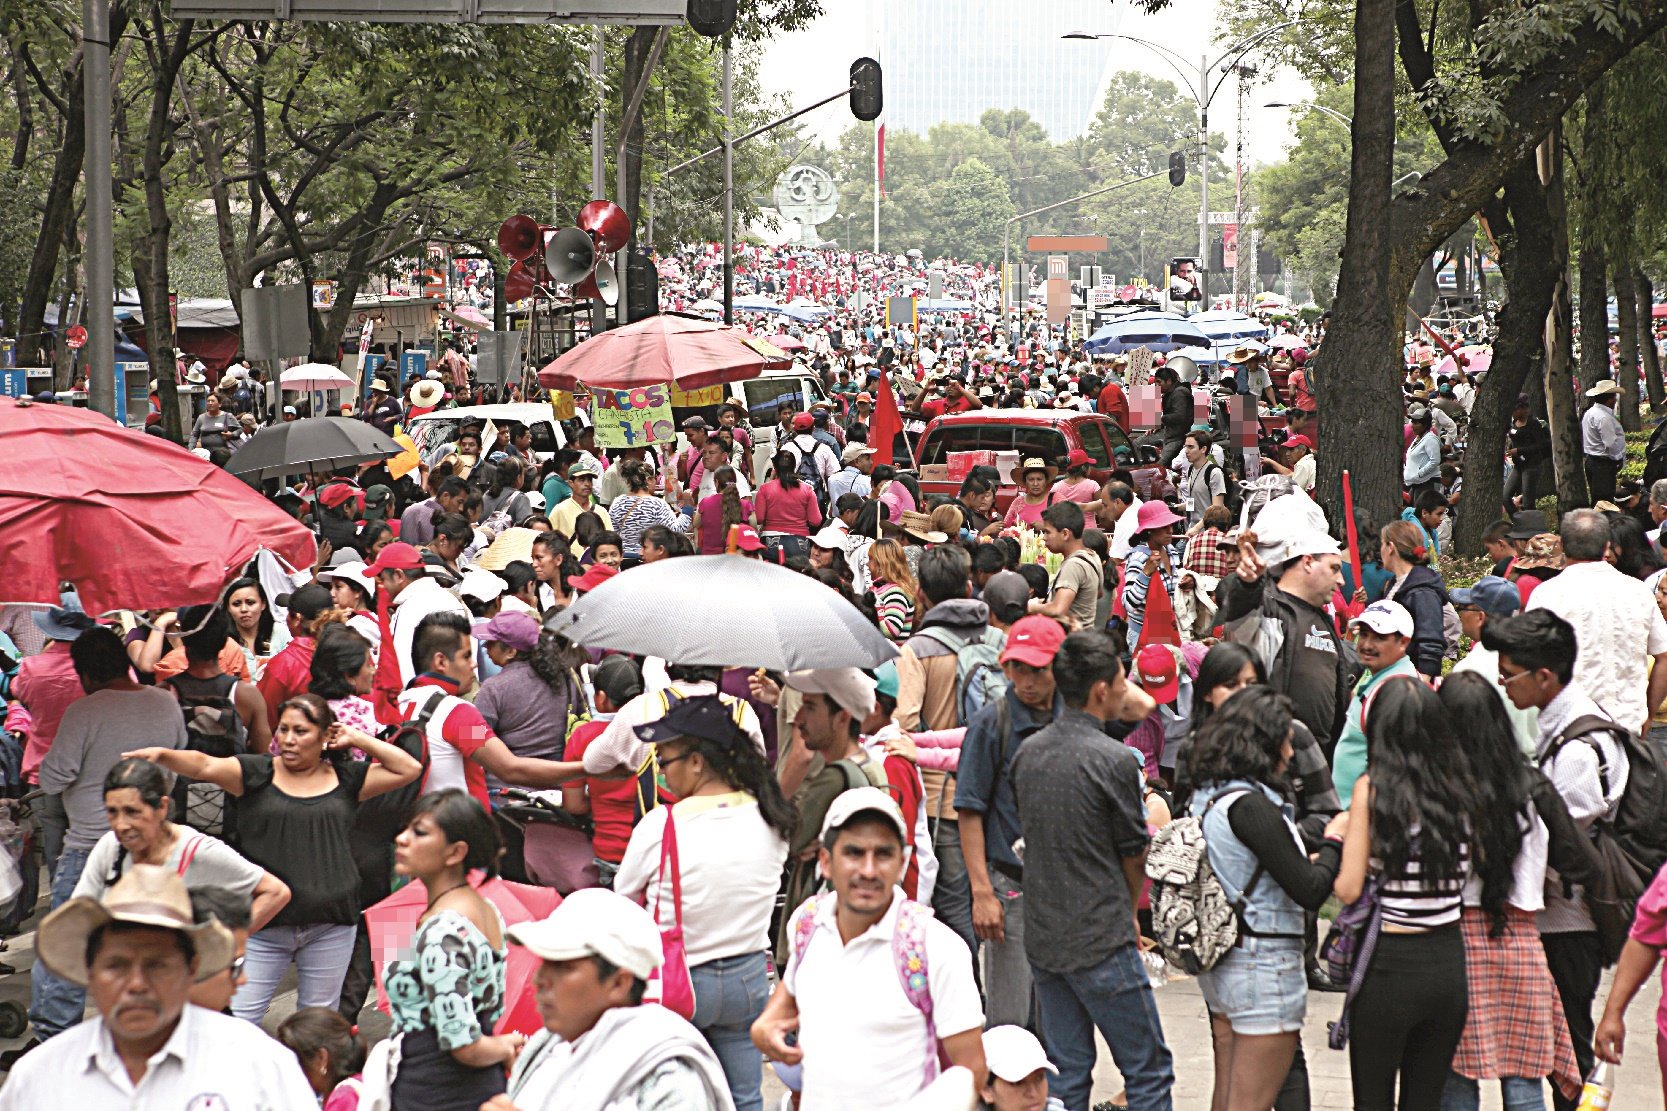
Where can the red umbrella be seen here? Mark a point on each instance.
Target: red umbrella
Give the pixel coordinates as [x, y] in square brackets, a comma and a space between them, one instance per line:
[133, 521]
[393, 926]
[1658, 310]
[686, 351]
[787, 342]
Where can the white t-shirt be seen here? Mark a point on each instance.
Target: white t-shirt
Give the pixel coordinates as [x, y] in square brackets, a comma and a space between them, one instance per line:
[214, 864]
[1617, 627]
[865, 1044]
[731, 863]
[1122, 533]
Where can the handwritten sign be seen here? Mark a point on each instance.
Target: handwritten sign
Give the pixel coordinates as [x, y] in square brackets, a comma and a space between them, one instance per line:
[696, 399]
[633, 418]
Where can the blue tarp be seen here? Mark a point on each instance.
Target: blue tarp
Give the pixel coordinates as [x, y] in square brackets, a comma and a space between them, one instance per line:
[1158, 331]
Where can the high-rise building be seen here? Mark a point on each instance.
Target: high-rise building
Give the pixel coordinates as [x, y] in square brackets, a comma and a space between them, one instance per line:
[949, 61]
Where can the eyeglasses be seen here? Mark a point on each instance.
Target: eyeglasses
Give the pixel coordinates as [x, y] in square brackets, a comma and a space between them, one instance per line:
[1507, 680]
[664, 764]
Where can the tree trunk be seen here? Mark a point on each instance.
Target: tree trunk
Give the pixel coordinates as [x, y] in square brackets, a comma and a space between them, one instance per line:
[1594, 312]
[361, 256]
[1562, 416]
[1644, 297]
[1424, 290]
[637, 49]
[1528, 261]
[1626, 356]
[1360, 402]
[56, 215]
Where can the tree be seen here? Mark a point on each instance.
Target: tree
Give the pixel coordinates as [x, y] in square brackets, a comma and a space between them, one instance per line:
[975, 206]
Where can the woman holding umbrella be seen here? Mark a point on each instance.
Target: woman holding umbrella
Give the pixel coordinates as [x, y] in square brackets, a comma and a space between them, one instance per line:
[446, 997]
[295, 811]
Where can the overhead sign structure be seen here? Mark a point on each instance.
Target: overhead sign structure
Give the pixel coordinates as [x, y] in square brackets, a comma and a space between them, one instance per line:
[665, 13]
[1082, 244]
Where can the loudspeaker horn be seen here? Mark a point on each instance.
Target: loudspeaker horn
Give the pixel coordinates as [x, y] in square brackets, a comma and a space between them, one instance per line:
[600, 285]
[518, 237]
[518, 283]
[607, 224]
[570, 255]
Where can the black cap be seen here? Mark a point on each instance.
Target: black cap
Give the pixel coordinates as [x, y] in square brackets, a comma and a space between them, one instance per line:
[308, 601]
[619, 678]
[1527, 524]
[705, 717]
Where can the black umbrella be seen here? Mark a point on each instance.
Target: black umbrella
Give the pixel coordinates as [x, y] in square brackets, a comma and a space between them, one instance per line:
[310, 445]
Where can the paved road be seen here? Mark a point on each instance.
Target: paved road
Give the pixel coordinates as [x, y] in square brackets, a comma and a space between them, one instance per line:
[1185, 1026]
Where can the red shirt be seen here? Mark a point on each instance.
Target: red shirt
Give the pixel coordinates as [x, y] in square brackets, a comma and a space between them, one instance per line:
[1114, 403]
[612, 801]
[783, 510]
[905, 781]
[385, 694]
[938, 406]
[287, 675]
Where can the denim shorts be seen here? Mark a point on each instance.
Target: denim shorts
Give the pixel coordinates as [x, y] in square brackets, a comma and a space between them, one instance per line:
[1259, 987]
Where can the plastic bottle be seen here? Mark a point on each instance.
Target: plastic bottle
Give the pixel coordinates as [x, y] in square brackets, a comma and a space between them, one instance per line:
[1597, 1093]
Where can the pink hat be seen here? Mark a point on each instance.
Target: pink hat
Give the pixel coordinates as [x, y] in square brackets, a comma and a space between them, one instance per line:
[595, 575]
[1033, 640]
[1153, 515]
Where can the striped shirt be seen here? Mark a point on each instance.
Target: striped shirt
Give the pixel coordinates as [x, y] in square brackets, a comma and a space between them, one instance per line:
[1410, 902]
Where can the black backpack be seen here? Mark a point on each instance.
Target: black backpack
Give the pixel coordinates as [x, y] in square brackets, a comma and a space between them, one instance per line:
[808, 472]
[1232, 495]
[212, 726]
[383, 817]
[1640, 822]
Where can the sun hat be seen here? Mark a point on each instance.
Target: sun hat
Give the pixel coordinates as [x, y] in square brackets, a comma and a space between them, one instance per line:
[65, 621]
[595, 922]
[1385, 617]
[1033, 640]
[1033, 464]
[379, 385]
[427, 393]
[1244, 355]
[1527, 524]
[850, 688]
[1154, 515]
[511, 545]
[518, 630]
[1604, 389]
[146, 895]
[919, 525]
[1544, 551]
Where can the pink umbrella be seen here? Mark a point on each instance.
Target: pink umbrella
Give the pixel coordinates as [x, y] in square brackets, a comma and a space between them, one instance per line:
[1286, 341]
[787, 342]
[1477, 360]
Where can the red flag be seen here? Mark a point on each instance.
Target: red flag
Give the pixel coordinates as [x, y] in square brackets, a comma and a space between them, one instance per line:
[1160, 627]
[887, 422]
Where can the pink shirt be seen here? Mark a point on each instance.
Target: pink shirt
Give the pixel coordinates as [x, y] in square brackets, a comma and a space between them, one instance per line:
[790, 511]
[1021, 512]
[1649, 927]
[47, 684]
[711, 509]
[1083, 493]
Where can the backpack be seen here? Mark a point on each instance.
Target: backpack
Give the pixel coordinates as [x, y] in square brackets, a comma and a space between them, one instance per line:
[212, 726]
[979, 679]
[908, 956]
[808, 472]
[1640, 821]
[381, 819]
[1232, 495]
[1194, 921]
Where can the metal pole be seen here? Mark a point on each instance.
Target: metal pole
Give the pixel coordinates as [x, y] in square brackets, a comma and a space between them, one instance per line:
[876, 186]
[598, 155]
[1204, 175]
[729, 186]
[622, 260]
[100, 258]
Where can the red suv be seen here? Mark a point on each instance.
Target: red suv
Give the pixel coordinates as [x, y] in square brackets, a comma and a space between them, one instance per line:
[1049, 434]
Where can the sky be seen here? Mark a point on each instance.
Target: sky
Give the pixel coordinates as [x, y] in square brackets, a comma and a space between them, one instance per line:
[806, 65]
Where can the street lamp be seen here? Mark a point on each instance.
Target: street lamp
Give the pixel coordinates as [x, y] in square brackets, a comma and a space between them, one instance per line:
[1346, 121]
[1203, 94]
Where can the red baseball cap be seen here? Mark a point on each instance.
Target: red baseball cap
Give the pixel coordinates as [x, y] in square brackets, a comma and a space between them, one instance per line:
[747, 539]
[1299, 440]
[398, 556]
[1033, 640]
[803, 422]
[1078, 458]
[1156, 673]
[595, 575]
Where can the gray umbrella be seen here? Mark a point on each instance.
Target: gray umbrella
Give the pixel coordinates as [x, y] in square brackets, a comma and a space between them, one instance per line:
[724, 611]
[312, 444]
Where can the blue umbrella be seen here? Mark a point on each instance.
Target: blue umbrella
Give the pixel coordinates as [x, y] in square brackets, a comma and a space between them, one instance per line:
[1159, 331]
[1223, 324]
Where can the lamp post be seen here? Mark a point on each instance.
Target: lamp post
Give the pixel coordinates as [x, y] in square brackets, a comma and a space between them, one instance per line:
[1203, 94]
[1308, 105]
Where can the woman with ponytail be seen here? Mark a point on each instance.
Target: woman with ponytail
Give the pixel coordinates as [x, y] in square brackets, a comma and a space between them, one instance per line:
[1420, 589]
[720, 511]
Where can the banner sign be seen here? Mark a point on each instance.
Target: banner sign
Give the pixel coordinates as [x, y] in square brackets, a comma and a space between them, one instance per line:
[697, 399]
[633, 418]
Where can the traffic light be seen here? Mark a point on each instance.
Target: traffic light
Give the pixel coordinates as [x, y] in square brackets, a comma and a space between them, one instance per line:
[1177, 167]
[712, 18]
[866, 97]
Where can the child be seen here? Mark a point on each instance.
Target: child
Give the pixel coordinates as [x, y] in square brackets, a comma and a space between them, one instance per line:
[331, 1054]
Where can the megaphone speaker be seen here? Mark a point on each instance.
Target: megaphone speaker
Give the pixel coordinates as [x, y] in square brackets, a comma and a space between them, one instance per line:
[518, 283]
[599, 285]
[607, 224]
[518, 237]
[570, 255]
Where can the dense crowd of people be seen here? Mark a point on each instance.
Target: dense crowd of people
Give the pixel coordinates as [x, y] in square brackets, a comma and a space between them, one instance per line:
[1124, 739]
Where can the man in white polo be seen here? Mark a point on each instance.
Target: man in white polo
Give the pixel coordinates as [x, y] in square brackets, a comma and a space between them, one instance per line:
[880, 992]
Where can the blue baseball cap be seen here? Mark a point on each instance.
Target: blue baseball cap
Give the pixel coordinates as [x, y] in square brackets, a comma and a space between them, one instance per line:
[1492, 595]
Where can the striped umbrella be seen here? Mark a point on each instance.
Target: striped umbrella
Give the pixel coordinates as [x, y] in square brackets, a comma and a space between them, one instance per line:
[724, 611]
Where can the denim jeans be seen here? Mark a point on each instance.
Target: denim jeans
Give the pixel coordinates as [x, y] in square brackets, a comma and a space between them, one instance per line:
[730, 993]
[1116, 997]
[952, 897]
[55, 1004]
[1007, 981]
[1518, 1093]
[320, 954]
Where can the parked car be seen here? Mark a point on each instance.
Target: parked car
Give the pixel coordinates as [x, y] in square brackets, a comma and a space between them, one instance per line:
[1050, 434]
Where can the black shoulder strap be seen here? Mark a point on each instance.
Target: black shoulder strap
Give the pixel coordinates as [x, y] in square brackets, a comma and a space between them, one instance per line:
[1585, 729]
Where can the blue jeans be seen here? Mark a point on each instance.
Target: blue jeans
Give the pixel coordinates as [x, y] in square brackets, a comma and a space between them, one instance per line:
[730, 993]
[1518, 1093]
[1115, 996]
[55, 1004]
[320, 954]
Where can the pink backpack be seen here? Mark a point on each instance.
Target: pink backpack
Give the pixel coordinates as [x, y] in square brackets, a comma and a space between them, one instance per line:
[908, 952]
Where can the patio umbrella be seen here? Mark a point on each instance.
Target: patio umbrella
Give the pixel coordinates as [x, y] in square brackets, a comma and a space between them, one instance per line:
[393, 926]
[787, 342]
[312, 444]
[314, 376]
[1225, 324]
[769, 616]
[1477, 360]
[1287, 341]
[1159, 331]
[133, 521]
[687, 352]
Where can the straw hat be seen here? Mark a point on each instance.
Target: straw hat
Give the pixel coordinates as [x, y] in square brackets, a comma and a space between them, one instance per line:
[427, 394]
[919, 525]
[512, 544]
[1244, 355]
[146, 895]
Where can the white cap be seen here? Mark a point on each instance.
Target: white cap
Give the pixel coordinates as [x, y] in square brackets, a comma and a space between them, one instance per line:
[1384, 617]
[1311, 544]
[830, 537]
[849, 804]
[481, 585]
[596, 922]
[848, 687]
[1014, 1054]
[352, 571]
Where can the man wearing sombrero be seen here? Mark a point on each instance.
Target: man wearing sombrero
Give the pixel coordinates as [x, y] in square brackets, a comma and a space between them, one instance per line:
[137, 951]
[1603, 440]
